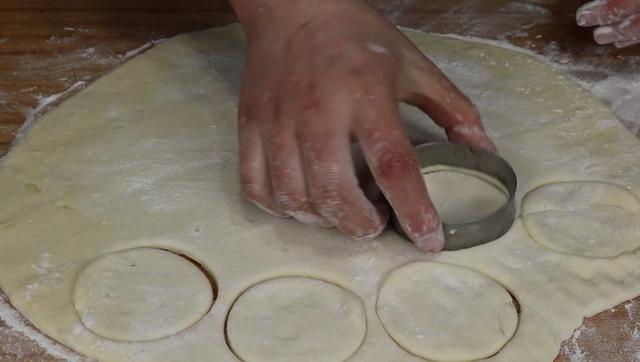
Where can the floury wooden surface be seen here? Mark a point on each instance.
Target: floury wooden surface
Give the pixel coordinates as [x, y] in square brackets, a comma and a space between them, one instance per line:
[50, 50]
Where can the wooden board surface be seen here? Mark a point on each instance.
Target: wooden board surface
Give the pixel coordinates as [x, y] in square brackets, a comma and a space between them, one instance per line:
[49, 50]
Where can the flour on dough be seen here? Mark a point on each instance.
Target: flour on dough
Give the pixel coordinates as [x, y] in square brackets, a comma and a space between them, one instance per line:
[296, 319]
[461, 195]
[594, 219]
[141, 294]
[446, 312]
[147, 157]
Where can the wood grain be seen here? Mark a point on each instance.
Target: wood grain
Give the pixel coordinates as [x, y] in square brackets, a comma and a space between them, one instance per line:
[48, 46]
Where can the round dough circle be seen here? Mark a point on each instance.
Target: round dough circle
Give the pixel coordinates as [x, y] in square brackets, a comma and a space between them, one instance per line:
[296, 319]
[593, 219]
[446, 312]
[461, 195]
[141, 294]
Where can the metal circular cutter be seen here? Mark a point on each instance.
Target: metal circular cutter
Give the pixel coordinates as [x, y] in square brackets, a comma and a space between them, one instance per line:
[490, 227]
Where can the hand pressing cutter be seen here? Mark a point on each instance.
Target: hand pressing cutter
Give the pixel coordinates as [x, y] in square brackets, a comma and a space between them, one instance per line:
[490, 227]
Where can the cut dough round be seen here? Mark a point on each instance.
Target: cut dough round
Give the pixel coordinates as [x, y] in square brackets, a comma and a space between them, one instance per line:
[594, 219]
[446, 312]
[296, 319]
[141, 294]
[461, 195]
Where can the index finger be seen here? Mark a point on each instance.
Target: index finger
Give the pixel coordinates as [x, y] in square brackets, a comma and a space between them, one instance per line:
[393, 163]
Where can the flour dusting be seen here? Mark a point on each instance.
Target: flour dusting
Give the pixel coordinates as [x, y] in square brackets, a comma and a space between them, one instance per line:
[16, 324]
[132, 53]
[44, 104]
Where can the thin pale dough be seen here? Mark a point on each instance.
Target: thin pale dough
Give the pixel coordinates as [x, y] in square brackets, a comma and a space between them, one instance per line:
[296, 319]
[141, 294]
[594, 219]
[422, 306]
[462, 195]
[147, 156]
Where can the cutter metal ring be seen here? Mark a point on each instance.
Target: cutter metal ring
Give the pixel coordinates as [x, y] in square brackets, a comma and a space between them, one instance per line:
[488, 228]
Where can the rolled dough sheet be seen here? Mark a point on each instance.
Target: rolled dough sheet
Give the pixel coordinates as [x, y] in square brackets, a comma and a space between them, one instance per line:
[147, 157]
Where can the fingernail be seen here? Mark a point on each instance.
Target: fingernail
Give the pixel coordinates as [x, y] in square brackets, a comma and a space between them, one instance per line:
[268, 210]
[624, 44]
[588, 14]
[582, 18]
[309, 219]
[433, 242]
[605, 35]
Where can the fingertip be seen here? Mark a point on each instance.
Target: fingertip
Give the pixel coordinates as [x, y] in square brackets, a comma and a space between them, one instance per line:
[473, 135]
[590, 14]
[370, 234]
[605, 35]
[384, 212]
[433, 242]
[270, 209]
[309, 218]
[624, 44]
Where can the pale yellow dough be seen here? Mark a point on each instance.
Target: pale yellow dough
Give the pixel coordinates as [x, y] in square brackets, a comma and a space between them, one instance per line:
[141, 294]
[296, 319]
[446, 312]
[147, 157]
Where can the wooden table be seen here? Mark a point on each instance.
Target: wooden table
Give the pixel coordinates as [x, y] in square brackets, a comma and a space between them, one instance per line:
[48, 47]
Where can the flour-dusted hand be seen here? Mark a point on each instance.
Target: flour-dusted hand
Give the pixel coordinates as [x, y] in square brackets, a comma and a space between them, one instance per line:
[617, 21]
[319, 76]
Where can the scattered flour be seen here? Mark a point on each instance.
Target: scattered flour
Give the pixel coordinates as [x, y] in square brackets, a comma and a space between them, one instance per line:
[44, 103]
[623, 96]
[16, 323]
[572, 347]
[132, 53]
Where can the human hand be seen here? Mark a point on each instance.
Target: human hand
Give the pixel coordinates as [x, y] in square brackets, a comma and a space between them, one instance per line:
[320, 76]
[618, 21]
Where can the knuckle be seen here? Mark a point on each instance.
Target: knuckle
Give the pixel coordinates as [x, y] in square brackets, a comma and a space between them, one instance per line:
[390, 164]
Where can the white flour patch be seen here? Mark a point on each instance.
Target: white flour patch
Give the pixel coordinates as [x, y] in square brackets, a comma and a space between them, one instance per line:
[16, 323]
[132, 53]
[44, 103]
[78, 30]
[376, 48]
[572, 347]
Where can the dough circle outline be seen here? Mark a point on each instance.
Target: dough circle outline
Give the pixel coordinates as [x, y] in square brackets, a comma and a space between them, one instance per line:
[594, 219]
[155, 292]
[425, 309]
[330, 313]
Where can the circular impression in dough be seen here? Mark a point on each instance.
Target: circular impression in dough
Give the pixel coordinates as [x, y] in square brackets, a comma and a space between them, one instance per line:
[461, 195]
[446, 312]
[296, 319]
[141, 294]
[593, 219]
